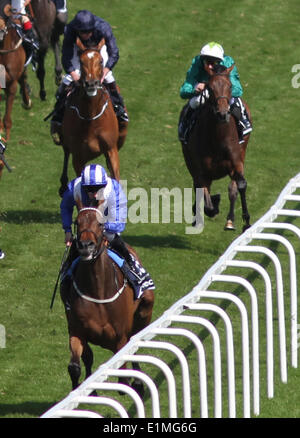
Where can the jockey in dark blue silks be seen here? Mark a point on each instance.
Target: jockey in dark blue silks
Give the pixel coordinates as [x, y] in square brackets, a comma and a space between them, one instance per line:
[90, 29]
[92, 186]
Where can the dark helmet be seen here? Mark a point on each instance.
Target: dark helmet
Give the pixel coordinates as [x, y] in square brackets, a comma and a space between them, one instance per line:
[84, 20]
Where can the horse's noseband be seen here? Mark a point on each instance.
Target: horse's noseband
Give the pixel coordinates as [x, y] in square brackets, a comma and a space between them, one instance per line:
[89, 248]
[92, 86]
[222, 116]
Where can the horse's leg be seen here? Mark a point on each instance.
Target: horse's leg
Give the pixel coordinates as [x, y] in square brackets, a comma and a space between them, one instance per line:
[113, 163]
[137, 384]
[10, 92]
[64, 175]
[232, 194]
[58, 67]
[123, 127]
[142, 319]
[25, 91]
[74, 368]
[242, 186]
[143, 313]
[88, 359]
[41, 72]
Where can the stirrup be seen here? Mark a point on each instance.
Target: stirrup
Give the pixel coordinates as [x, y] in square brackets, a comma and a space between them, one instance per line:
[121, 113]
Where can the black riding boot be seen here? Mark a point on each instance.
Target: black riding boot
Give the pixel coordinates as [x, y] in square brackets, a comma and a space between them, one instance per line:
[238, 110]
[31, 46]
[59, 110]
[184, 126]
[118, 245]
[133, 271]
[118, 102]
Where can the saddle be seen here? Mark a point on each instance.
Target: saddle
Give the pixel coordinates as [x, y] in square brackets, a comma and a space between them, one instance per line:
[138, 277]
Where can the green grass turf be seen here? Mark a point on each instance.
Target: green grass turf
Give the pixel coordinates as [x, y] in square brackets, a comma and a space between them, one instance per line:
[157, 41]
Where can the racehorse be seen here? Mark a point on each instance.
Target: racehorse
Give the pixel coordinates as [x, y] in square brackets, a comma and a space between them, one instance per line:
[49, 30]
[90, 126]
[12, 57]
[213, 150]
[102, 308]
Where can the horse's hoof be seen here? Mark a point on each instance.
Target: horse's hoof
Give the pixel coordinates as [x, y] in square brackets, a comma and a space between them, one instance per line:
[139, 388]
[56, 138]
[61, 191]
[28, 105]
[246, 227]
[229, 226]
[58, 79]
[43, 95]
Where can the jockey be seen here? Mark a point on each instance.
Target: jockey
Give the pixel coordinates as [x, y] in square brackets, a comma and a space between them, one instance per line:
[194, 88]
[90, 29]
[92, 186]
[19, 12]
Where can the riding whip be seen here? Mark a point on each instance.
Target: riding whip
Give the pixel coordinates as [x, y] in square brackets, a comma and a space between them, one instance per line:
[59, 274]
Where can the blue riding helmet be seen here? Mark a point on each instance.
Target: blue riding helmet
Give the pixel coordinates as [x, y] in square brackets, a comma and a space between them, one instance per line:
[84, 20]
[94, 175]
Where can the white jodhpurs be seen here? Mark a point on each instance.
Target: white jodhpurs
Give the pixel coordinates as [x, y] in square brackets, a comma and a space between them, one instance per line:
[109, 78]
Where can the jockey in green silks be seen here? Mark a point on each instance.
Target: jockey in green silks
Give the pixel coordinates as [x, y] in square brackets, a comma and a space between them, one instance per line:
[197, 77]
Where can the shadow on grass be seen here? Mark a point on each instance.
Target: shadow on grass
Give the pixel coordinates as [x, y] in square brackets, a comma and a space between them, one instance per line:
[27, 409]
[30, 216]
[150, 241]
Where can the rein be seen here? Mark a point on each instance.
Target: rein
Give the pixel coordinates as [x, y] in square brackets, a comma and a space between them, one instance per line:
[18, 44]
[94, 300]
[89, 119]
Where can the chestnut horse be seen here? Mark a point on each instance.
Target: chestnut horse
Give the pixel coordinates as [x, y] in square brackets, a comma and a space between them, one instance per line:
[12, 57]
[90, 126]
[49, 30]
[102, 309]
[213, 150]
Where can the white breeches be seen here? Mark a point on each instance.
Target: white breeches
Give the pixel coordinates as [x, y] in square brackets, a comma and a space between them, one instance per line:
[109, 78]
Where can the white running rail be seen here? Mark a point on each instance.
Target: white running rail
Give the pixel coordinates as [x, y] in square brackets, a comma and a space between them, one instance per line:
[197, 302]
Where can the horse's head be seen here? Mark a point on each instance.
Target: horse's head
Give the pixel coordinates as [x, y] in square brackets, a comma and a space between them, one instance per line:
[91, 67]
[89, 233]
[219, 87]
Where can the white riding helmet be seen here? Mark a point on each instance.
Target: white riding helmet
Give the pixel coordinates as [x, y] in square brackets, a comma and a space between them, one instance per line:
[213, 49]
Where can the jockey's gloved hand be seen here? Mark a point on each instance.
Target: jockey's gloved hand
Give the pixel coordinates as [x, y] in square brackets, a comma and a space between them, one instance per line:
[68, 238]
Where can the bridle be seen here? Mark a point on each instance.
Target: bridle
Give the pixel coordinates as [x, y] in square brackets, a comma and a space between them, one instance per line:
[91, 89]
[3, 33]
[215, 100]
[99, 247]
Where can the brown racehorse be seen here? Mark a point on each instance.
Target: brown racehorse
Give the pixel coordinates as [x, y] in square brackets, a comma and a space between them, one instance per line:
[12, 57]
[213, 150]
[90, 126]
[102, 309]
[49, 30]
